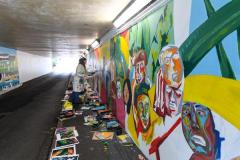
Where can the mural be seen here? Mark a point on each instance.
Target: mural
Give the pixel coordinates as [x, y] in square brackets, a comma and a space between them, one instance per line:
[120, 104]
[170, 78]
[9, 77]
[127, 95]
[169, 89]
[199, 130]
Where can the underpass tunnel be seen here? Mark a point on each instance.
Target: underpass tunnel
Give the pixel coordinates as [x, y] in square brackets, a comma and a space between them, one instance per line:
[119, 79]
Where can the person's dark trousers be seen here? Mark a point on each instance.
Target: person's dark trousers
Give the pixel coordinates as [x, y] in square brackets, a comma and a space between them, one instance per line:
[74, 98]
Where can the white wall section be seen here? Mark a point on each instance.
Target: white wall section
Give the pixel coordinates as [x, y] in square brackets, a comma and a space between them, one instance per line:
[32, 66]
[181, 15]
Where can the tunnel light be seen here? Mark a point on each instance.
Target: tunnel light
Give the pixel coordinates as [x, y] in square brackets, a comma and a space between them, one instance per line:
[135, 7]
[88, 48]
[95, 44]
[66, 64]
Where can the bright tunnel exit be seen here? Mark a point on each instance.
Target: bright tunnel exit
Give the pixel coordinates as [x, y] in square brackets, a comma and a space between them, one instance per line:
[65, 63]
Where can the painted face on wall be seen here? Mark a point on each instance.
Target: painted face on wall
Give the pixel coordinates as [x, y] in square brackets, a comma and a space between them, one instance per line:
[140, 71]
[119, 89]
[140, 63]
[140, 109]
[143, 104]
[169, 83]
[127, 95]
[198, 128]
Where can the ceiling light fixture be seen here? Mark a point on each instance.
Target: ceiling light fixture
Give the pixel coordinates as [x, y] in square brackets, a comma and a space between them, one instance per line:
[95, 44]
[88, 48]
[130, 11]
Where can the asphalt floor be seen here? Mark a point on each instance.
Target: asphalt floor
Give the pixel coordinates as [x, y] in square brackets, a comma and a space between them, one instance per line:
[28, 117]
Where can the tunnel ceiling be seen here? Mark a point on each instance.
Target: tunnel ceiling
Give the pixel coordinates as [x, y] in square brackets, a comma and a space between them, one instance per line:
[55, 26]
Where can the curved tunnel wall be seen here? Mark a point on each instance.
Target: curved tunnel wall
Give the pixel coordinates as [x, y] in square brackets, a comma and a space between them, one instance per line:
[168, 115]
[32, 66]
[17, 67]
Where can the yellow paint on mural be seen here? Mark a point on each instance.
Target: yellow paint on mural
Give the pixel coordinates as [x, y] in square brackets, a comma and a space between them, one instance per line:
[155, 55]
[115, 39]
[105, 50]
[127, 37]
[154, 117]
[124, 49]
[131, 127]
[221, 95]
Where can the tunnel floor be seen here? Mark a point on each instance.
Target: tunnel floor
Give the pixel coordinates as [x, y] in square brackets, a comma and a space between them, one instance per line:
[28, 117]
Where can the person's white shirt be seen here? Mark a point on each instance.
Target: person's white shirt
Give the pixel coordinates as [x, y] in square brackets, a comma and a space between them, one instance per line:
[80, 71]
[79, 78]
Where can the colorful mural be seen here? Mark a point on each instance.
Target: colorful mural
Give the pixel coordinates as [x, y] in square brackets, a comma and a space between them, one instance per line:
[9, 77]
[199, 131]
[171, 92]
[170, 78]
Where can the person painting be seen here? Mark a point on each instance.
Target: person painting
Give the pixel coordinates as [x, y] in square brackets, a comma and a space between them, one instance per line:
[79, 80]
[81, 68]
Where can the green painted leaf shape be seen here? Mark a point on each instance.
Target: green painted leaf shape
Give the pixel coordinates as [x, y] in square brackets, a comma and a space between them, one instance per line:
[209, 34]
[225, 65]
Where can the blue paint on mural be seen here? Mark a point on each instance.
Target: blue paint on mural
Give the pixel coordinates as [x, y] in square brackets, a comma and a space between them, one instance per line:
[7, 50]
[8, 69]
[209, 65]
[231, 47]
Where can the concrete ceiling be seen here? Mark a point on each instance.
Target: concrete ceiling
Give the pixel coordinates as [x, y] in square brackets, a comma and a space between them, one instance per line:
[55, 26]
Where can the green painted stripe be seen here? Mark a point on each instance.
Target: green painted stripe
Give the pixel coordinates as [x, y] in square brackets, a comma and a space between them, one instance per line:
[225, 65]
[226, 68]
[209, 34]
[209, 8]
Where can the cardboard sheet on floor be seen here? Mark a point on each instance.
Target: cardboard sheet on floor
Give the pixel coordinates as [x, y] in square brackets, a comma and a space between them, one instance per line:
[124, 139]
[78, 112]
[112, 124]
[68, 132]
[103, 135]
[94, 97]
[98, 108]
[65, 129]
[73, 157]
[67, 118]
[66, 114]
[103, 111]
[67, 106]
[107, 116]
[66, 142]
[85, 108]
[90, 118]
[63, 151]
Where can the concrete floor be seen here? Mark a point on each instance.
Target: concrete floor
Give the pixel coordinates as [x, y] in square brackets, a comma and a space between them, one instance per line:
[27, 116]
[89, 149]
